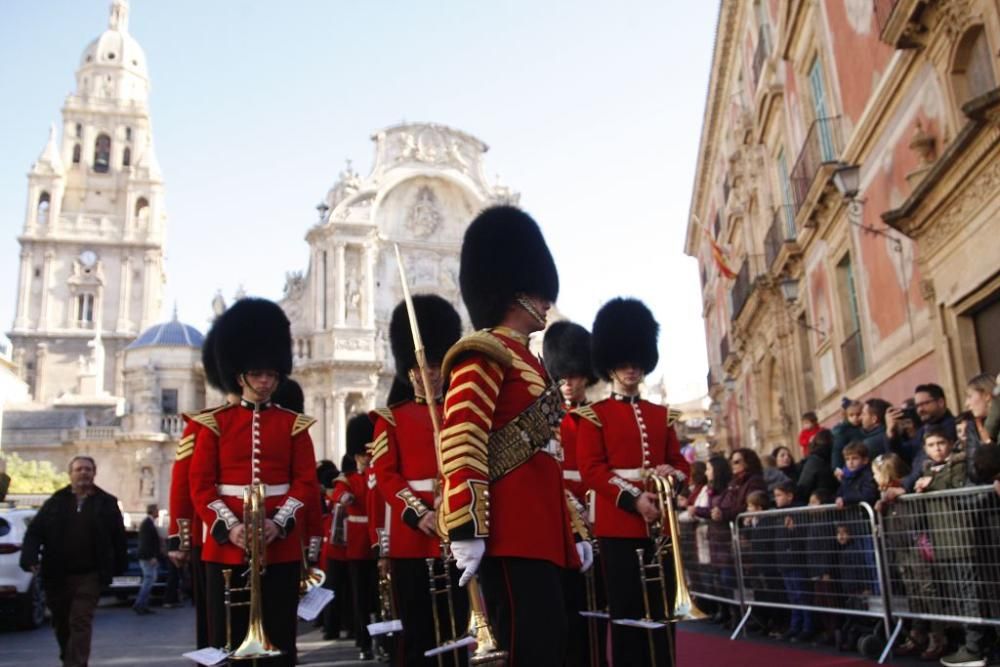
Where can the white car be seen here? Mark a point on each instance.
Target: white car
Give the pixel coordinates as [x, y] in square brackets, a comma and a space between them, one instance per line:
[21, 595]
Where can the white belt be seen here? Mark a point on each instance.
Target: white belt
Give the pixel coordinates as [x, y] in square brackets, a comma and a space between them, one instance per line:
[237, 490]
[554, 449]
[357, 519]
[572, 475]
[629, 474]
[425, 485]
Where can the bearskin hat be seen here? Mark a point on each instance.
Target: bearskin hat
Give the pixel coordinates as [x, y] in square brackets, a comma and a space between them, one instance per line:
[399, 391]
[326, 472]
[289, 396]
[360, 432]
[624, 333]
[253, 334]
[566, 351]
[208, 360]
[503, 255]
[440, 328]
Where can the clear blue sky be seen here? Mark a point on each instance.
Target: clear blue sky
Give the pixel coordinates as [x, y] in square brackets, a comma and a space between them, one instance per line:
[592, 111]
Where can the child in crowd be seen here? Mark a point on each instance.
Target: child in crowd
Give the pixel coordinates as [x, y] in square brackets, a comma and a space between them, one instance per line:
[757, 538]
[822, 564]
[857, 483]
[856, 581]
[847, 431]
[791, 542]
[947, 542]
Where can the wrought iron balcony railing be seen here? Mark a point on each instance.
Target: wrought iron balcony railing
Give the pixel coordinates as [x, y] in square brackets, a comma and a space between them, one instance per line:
[782, 231]
[823, 145]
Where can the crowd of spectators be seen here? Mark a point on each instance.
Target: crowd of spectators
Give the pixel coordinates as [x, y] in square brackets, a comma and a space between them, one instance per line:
[876, 453]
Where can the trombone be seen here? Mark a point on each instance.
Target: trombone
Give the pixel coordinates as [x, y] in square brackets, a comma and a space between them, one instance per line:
[255, 644]
[440, 586]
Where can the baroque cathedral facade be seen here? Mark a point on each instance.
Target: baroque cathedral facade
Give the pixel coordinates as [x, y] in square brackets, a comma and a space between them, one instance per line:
[106, 377]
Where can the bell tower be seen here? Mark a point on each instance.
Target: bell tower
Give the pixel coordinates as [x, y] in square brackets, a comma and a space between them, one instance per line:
[92, 241]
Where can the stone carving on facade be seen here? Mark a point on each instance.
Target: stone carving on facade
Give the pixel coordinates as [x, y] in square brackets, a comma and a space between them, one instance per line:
[424, 216]
[295, 284]
[963, 210]
[147, 483]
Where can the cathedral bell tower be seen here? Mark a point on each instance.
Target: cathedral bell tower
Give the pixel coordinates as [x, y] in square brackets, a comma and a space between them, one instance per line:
[91, 271]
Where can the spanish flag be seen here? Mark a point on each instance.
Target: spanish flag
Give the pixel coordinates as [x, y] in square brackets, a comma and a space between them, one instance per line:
[719, 255]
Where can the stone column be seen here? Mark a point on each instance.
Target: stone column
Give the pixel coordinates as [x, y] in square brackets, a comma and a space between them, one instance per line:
[124, 295]
[149, 261]
[41, 352]
[43, 314]
[338, 424]
[368, 313]
[340, 289]
[24, 292]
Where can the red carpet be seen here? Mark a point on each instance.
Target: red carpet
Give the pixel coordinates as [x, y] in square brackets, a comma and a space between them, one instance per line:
[698, 649]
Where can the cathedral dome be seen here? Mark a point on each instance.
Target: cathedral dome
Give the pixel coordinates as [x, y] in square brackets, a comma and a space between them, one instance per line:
[115, 46]
[169, 334]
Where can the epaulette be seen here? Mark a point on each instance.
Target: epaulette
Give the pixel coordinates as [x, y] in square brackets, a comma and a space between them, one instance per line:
[481, 342]
[207, 418]
[384, 413]
[185, 447]
[588, 413]
[193, 416]
[673, 415]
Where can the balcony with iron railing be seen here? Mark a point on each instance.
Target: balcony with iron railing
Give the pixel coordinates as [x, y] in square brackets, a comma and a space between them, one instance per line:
[761, 53]
[822, 148]
[853, 352]
[747, 280]
[781, 234]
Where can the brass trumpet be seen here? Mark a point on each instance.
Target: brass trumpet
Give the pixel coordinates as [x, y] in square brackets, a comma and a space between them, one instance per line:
[311, 577]
[255, 644]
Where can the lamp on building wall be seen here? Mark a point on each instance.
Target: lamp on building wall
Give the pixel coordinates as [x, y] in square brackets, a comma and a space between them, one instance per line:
[322, 208]
[790, 291]
[847, 179]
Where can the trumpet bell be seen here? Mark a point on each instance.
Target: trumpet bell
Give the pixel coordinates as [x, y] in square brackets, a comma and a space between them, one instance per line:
[312, 578]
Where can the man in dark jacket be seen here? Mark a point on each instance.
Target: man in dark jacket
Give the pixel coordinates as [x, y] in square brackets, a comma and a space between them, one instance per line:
[149, 559]
[906, 439]
[77, 541]
[873, 426]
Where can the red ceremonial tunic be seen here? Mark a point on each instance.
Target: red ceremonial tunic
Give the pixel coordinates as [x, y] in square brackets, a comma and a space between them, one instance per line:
[375, 507]
[406, 471]
[618, 442]
[494, 377]
[571, 470]
[225, 455]
[185, 529]
[356, 484]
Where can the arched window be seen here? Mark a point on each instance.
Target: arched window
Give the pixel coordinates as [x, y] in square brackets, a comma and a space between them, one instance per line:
[76, 154]
[141, 212]
[79, 130]
[84, 310]
[102, 154]
[972, 70]
[127, 157]
[42, 212]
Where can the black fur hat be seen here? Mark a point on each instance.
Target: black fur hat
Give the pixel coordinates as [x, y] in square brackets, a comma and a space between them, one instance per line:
[399, 391]
[289, 395]
[208, 360]
[253, 334]
[440, 328]
[360, 431]
[566, 351]
[503, 255]
[624, 333]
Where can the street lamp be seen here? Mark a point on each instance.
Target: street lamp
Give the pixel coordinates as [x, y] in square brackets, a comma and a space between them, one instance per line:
[322, 208]
[847, 178]
[790, 290]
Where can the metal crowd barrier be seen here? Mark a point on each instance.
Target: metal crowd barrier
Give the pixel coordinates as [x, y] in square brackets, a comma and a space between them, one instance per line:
[709, 556]
[942, 551]
[927, 556]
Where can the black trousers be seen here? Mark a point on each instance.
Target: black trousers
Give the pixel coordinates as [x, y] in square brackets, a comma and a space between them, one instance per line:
[635, 647]
[524, 597]
[279, 604]
[585, 634]
[363, 574]
[412, 596]
[198, 597]
[337, 615]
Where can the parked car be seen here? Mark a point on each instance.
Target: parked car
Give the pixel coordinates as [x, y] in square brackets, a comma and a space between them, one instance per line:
[21, 596]
[126, 584]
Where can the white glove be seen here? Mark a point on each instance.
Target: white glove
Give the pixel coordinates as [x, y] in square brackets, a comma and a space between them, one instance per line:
[585, 550]
[468, 554]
